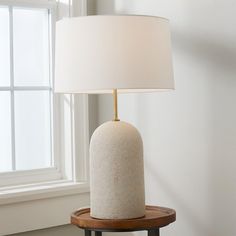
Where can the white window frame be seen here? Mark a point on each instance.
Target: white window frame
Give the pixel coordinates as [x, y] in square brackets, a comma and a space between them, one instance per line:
[68, 185]
[13, 178]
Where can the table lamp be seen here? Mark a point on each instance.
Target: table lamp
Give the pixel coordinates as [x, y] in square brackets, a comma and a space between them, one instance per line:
[114, 54]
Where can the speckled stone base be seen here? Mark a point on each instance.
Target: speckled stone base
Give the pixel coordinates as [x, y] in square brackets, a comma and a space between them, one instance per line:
[116, 172]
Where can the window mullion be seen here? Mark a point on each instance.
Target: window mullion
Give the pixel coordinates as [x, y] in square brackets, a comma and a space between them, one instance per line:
[12, 88]
[51, 128]
[32, 88]
[51, 98]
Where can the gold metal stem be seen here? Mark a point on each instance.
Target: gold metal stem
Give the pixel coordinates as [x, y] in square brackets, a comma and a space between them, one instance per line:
[115, 105]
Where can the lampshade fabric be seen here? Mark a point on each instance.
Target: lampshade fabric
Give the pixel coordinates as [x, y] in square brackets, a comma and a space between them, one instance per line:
[95, 54]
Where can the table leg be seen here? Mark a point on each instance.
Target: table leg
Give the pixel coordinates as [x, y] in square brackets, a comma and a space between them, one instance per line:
[98, 233]
[154, 232]
[87, 232]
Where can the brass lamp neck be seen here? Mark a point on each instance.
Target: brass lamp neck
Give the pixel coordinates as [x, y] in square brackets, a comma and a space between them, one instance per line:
[115, 100]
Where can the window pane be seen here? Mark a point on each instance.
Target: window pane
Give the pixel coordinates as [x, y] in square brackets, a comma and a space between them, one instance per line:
[4, 47]
[32, 129]
[5, 132]
[31, 47]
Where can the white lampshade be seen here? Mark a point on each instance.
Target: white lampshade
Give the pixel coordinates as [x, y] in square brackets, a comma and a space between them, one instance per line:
[95, 54]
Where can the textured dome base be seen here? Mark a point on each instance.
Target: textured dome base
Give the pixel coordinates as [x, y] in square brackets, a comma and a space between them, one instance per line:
[116, 172]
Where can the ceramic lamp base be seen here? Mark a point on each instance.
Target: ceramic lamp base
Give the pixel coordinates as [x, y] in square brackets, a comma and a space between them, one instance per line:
[116, 172]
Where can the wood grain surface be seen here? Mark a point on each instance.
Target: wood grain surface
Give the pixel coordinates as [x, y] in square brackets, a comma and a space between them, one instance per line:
[155, 217]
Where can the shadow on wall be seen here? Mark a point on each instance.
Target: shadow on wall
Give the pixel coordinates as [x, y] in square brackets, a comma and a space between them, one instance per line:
[194, 221]
[196, 124]
[104, 7]
[220, 59]
[218, 55]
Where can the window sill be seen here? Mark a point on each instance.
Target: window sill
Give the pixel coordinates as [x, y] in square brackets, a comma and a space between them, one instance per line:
[33, 207]
[31, 192]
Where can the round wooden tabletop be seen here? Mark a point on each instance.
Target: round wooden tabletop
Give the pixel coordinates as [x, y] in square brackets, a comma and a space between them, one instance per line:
[155, 217]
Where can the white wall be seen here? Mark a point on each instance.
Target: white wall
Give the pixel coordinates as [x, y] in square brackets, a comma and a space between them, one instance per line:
[65, 230]
[190, 134]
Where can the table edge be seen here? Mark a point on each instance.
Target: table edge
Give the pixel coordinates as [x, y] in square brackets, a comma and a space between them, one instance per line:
[164, 221]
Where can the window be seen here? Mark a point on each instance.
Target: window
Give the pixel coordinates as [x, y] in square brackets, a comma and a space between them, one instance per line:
[57, 182]
[26, 89]
[26, 92]
[37, 127]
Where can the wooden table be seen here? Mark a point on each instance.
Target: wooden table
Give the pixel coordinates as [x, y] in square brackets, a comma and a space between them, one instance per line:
[154, 219]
